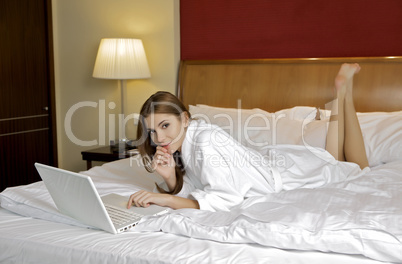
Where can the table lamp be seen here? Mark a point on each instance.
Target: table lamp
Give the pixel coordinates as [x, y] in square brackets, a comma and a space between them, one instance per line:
[121, 59]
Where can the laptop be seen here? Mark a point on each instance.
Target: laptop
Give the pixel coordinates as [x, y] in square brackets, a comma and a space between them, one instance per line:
[75, 195]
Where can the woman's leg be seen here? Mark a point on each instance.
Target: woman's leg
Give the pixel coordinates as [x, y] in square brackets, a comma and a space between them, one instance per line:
[354, 144]
[336, 128]
[344, 138]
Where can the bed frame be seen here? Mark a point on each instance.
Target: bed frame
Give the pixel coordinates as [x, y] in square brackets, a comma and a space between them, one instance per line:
[275, 84]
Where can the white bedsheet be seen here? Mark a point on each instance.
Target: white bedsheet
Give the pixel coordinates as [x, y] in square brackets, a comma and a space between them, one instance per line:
[310, 224]
[27, 240]
[362, 216]
[123, 177]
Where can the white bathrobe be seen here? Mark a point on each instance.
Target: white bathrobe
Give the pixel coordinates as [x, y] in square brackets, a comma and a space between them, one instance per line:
[221, 173]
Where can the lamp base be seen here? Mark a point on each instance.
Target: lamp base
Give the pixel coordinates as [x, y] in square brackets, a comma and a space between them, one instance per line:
[121, 145]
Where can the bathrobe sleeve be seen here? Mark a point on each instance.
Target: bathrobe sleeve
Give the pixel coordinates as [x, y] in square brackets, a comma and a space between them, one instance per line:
[224, 184]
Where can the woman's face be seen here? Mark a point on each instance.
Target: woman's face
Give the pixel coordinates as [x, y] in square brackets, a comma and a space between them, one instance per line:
[167, 130]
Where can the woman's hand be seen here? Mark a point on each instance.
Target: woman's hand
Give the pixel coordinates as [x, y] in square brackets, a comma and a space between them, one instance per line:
[164, 164]
[144, 199]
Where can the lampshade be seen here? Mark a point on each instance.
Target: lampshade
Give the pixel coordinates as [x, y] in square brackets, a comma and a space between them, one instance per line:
[121, 59]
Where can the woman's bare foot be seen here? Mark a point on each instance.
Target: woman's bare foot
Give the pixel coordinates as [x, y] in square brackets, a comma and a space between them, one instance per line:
[344, 79]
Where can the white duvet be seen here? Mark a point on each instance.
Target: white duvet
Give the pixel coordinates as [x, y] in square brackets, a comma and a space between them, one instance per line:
[362, 216]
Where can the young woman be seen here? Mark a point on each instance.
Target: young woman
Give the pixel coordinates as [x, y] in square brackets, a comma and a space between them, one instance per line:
[204, 168]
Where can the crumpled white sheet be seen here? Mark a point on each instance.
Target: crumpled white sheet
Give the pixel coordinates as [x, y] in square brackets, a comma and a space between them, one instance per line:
[123, 177]
[363, 216]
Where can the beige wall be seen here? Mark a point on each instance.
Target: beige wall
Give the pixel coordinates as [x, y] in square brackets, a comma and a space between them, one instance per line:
[79, 25]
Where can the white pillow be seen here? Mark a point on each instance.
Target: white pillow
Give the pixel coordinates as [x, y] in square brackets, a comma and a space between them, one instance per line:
[314, 133]
[255, 127]
[298, 113]
[290, 124]
[382, 135]
[227, 109]
[382, 131]
[250, 127]
[298, 125]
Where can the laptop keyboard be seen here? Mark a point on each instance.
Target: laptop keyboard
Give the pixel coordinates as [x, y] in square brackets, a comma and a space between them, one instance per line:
[120, 216]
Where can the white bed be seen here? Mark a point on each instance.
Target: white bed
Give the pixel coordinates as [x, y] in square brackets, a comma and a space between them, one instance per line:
[358, 221]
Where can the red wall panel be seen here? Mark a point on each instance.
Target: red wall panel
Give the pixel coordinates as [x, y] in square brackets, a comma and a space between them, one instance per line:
[238, 29]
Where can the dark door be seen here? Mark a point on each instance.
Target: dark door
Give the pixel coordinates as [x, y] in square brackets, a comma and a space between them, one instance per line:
[27, 121]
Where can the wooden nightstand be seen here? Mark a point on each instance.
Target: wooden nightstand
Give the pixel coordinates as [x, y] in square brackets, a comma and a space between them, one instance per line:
[104, 154]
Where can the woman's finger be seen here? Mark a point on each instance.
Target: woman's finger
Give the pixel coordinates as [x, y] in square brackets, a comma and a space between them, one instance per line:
[144, 201]
[134, 199]
[140, 199]
[162, 159]
[160, 150]
[130, 201]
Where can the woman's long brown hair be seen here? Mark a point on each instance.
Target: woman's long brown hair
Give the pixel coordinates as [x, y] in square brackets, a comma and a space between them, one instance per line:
[160, 103]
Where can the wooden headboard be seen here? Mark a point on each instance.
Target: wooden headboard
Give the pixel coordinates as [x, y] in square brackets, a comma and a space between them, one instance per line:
[274, 84]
